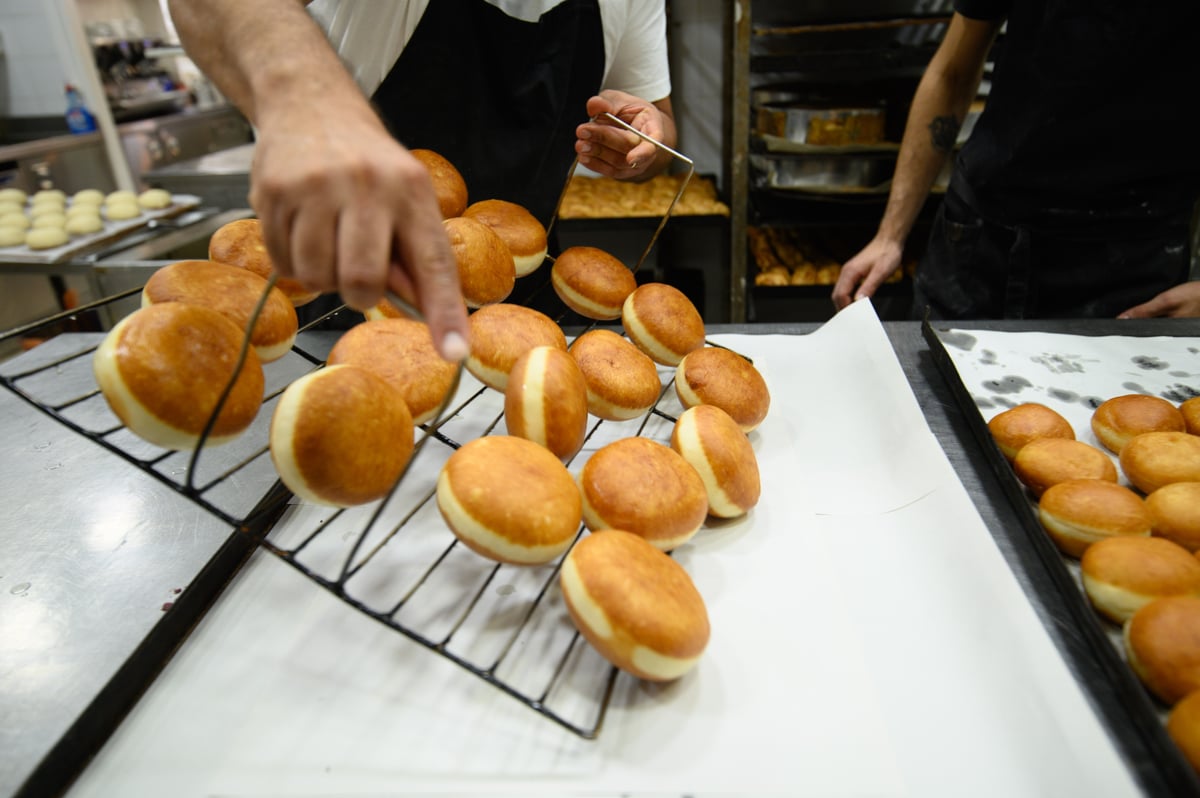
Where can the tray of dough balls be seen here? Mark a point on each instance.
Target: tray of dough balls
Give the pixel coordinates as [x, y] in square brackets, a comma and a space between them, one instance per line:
[1098, 439]
[51, 226]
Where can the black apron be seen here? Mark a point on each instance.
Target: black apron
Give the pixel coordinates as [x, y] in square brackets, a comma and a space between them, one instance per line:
[498, 97]
[977, 268]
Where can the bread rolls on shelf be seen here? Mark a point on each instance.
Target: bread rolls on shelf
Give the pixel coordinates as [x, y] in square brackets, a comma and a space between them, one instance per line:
[1120, 418]
[714, 375]
[510, 500]
[162, 369]
[448, 184]
[643, 487]
[715, 445]
[1123, 574]
[1017, 426]
[662, 322]
[592, 282]
[340, 436]
[517, 228]
[635, 605]
[1154, 459]
[622, 381]
[500, 334]
[232, 292]
[1047, 461]
[1162, 645]
[401, 351]
[240, 243]
[546, 402]
[486, 270]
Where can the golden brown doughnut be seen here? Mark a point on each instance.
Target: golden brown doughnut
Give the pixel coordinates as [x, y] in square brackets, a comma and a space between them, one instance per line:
[1154, 459]
[1162, 645]
[500, 334]
[485, 266]
[1047, 461]
[592, 282]
[716, 376]
[448, 184]
[232, 292]
[1119, 419]
[240, 243]
[162, 370]
[1175, 513]
[635, 605]
[1079, 512]
[509, 499]
[644, 487]
[662, 322]
[1123, 574]
[400, 351]
[1018, 425]
[1183, 727]
[546, 401]
[517, 227]
[341, 436]
[1190, 410]
[713, 443]
[622, 381]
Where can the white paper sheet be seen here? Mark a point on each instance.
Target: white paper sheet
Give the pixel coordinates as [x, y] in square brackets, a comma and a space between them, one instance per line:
[868, 639]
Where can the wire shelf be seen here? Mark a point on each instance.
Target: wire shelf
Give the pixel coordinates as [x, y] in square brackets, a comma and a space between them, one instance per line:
[394, 560]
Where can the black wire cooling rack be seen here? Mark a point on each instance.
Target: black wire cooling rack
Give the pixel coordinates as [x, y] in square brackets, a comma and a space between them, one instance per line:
[393, 560]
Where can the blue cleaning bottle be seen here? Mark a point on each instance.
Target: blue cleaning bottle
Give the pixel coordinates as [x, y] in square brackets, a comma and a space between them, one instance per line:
[79, 118]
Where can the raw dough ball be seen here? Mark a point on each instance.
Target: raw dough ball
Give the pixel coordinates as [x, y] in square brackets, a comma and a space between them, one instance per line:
[84, 223]
[88, 196]
[49, 193]
[19, 220]
[46, 238]
[120, 196]
[118, 211]
[13, 195]
[56, 220]
[7, 207]
[11, 236]
[155, 199]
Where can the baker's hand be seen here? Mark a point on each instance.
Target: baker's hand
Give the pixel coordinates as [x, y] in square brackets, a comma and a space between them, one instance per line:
[1181, 301]
[345, 208]
[862, 275]
[613, 151]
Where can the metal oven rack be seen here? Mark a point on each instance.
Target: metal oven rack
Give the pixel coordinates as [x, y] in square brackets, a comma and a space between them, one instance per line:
[393, 560]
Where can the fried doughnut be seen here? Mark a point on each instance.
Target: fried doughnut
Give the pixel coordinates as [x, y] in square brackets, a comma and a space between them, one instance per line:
[622, 381]
[163, 368]
[1119, 419]
[240, 243]
[509, 499]
[1175, 513]
[662, 322]
[592, 282]
[1047, 461]
[635, 605]
[1123, 574]
[448, 184]
[1154, 459]
[546, 401]
[644, 487]
[517, 227]
[500, 334]
[1078, 512]
[1162, 644]
[486, 269]
[1018, 425]
[712, 375]
[713, 443]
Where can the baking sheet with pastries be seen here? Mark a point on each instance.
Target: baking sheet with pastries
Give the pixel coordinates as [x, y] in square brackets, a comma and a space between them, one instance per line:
[1072, 375]
[606, 198]
[112, 230]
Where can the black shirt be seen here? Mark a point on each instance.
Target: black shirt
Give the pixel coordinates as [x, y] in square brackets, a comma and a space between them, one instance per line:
[1088, 125]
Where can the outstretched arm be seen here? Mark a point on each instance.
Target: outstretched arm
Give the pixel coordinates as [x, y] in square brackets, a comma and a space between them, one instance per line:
[939, 106]
[343, 206]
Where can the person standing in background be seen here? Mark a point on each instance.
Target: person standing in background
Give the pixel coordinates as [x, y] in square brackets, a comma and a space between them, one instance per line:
[504, 89]
[1074, 194]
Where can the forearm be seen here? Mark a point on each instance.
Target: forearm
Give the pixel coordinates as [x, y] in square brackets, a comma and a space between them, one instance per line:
[941, 102]
[264, 56]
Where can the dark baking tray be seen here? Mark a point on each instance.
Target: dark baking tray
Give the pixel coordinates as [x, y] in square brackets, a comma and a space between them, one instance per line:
[1132, 716]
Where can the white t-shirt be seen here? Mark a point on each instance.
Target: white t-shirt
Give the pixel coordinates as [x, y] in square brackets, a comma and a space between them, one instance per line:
[369, 36]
